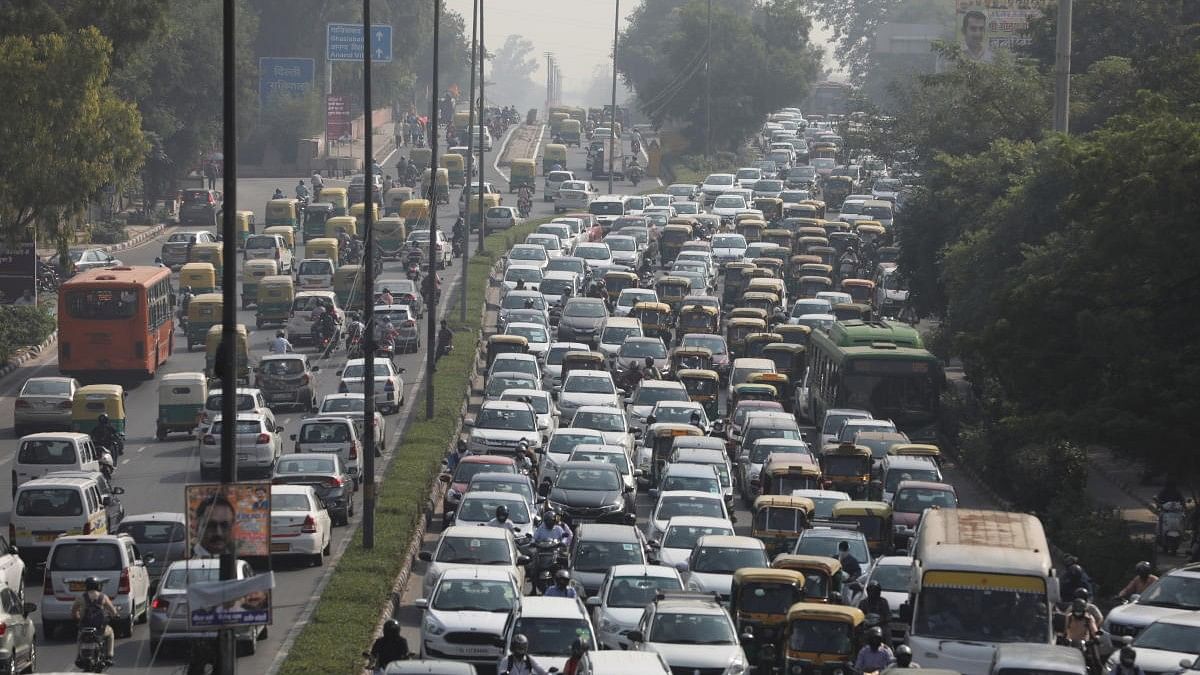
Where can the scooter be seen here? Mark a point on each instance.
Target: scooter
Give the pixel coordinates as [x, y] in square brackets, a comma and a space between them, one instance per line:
[89, 654]
[107, 466]
[549, 556]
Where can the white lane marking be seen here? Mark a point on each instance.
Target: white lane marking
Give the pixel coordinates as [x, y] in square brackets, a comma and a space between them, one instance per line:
[124, 461]
[500, 153]
[139, 450]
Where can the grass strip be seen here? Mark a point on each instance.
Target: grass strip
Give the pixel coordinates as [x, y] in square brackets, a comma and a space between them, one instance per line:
[344, 621]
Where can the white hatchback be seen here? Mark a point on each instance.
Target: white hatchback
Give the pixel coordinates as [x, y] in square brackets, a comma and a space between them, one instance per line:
[467, 604]
[315, 273]
[300, 523]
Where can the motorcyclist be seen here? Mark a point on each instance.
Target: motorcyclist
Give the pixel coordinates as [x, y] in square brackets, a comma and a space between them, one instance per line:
[550, 529]
[579, 647]
[556, 167]
[649, 372]
[326, 325]
[445, 338]
[278, 194]
[1126, 663]
[501, 519]
[385, 298]
[301, 190]
[1080, 626]
[354, 329]
[904, 657]
[874, 656]
[317, 183]
[562, 586]
[1143, 578]
[185, 299]
[389, 647]
[875, 603]
[518, 661]
[280, 344]
[94, 609]
[1169, 493]
[459, 231]
[1092, 610]
[104, 435]
[159, 262]
[1073, 579]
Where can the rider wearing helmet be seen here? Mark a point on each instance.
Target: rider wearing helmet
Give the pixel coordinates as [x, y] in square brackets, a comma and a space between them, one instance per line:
[649, 372]
[104, 435]
[518, 661]
[562, 586]
[550, 529]
[874, 656]
[1142, 580]
[278, 194]
[1126, 663]
[875, 603]
[94, 609]
[501, 519]
[390, 647]
[579, 647]
[1081, 627]
[904, 657]
[1092, 609]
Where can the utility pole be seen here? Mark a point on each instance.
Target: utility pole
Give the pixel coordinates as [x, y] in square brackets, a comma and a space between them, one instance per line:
[368, 540]
[1062, 68]
[227, 363]
[431, 296]
[708, 90]
[549, 82]
[612, 127]
[482, 152]
[462, 300]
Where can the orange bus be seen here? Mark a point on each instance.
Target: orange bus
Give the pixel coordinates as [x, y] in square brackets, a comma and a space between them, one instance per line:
[116, 320]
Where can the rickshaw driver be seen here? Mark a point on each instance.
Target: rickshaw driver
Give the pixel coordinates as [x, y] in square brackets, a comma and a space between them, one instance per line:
[278, 194]
[106, 436]
[280, 344]
[185, 299]
[648, 371]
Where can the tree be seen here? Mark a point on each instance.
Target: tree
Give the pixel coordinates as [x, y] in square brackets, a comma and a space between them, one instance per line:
[512, 72]
[66, 133]
[127, 24]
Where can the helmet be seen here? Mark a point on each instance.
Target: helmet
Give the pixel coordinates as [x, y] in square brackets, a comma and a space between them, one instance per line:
[1075, 570]
[187, 289]
[874, 634]
[1083, 594]
[874, 589]
[579, 646]
[103, 419]
[279, 333]
[1078, 606]
[1143, 569]
[1128, 656]
[649, 361]
[391, 628]
[903, 650]
[562, 576]
[550, 518]
[519, 644]
[501, 512]
[92, 583]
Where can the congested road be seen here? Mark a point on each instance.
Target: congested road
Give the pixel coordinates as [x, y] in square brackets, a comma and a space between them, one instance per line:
[154, 473]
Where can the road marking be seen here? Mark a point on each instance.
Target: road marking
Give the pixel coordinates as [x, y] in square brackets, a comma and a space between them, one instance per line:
[124, 461]
[500, 153]
[139, 450]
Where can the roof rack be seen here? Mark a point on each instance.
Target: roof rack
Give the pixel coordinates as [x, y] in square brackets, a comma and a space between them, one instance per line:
[687, 595]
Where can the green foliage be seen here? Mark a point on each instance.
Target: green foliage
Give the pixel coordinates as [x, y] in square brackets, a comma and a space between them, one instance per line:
[513, 66]
[66, 134]
[128, 24]
[108, 233]
[23, 326]
[855, 24]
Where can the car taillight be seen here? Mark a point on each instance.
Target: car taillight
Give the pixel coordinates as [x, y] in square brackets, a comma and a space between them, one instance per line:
[87, 527]
[65, 405]
[23, 404]
[304, 379]
[310, 525]
[263, 438]
[3, 628]
[123, 584]
[211, 200]
[47, 586]
[410, 323]
[353, 454]
[160, 604]
[335, 481]
[209, 439]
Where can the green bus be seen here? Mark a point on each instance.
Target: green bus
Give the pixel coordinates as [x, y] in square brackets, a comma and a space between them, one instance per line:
[855, 366]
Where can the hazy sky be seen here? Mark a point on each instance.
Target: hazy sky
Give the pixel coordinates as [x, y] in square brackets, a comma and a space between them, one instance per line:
[579, 32]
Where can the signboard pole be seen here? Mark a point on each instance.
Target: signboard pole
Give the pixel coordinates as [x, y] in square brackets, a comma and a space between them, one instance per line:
[431, 283]
[368, 263]
[1062, 69]
[462, 300]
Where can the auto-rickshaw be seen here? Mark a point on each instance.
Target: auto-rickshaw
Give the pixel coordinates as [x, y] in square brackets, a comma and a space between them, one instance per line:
[441, 184]
[874, 521]
[778, 520]
[917, 450]
[816, 270]
[847, 467]
[760, 300]
[787, 471]
[359, 213]
[822, 575]
[581, 360]
[286, 233]
[522, 173]
[840, 241]
[869, 232]
[556, 121]
[847, 311]
[834, 190]
[813, 230]
[773, 265]
[833, 227]
[348, 223]
[805, 244]
[348, 286]
[756, 342]
[753, 391]
[862, 291]
[767, 285]
[571, 132]
[789, 359]
[462, 119]
[751, 229]
[759, 601]
[818, 205]
[201, 277]
[656, 319]
[779, 237]
[393, 198]
[699, 319]
[284, 212]
[810, 286]
[736, 331]
[670, 240]
[456, 169]
[820, 637]
[672, 290]
[801, 210]
[421, 157]
[390, 235]
[338, 196]
[212, 343]
[415, 215]
[181, 398]
[203, 311]
[506, 344]
[827, 253]
[794, 334]
[747, 313]
[325, 247]
[771, 207]
[784, 391]
[887, 254]
[253, 272]
[553, 155]
[245, 226]
[735, 274]
[615, 282]
[315, 216]
[93, 400]
[489, 200]
[209, 252]
[275, 296]
[690, 358]
[703, 387]
[660, 437]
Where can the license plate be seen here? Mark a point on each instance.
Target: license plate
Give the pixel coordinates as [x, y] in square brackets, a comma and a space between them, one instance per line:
[474, 651]
[44, 537]
[279, 548]
[243, 458]
[75, 586]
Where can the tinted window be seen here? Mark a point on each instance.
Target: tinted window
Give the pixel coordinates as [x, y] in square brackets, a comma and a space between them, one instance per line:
[153, 532]
[49, 502]
[47, 452]
[86, 557]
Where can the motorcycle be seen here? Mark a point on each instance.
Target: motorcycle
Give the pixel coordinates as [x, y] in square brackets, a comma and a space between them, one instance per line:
[412, 270]
[524, 206]
[456, 246]
[635, 175]
[107, 466]
[1170, 527]
[1090, 650]
[89, 654]
[549, 556]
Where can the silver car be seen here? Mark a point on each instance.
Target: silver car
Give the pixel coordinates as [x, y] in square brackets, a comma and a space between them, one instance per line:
[169, 609]
[44, 403]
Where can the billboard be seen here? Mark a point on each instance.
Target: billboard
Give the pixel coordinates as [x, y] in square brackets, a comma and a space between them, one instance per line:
[233, 518]
[986, 27]
[214, 604]
[18, 273]
[283, 77]
[337, 117]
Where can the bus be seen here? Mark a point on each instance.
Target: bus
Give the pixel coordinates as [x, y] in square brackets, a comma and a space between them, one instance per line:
[118, 320]
[980, 579]
[878, 367]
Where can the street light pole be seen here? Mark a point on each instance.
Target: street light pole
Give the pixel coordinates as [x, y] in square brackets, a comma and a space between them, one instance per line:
[612, 127]
[431, 296]
[708, 89]
[368, 479]
[462, 300]
[479, 192]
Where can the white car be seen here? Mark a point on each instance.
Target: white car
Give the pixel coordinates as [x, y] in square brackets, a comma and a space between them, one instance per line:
[747, 176]
[635, 204]
[479, 506]
[595, 254]
[728, 206]
[389, 385]
[609, 421]
[467, 604]
[692, 635]
[714, 185]
[717, 556]
[315, 274]
[682, 533]
[1175, 593]
[543, 408]
[529, 277]
[650, 393]
[887, 189]
[614, 332]
[587, 387]
[551, 624]
[552, 373]
[554, 180]
[258, 443]
[574, 195]
[687, 208]
[351, 406]
[335, 435]
[809, 306]
[894, 575]
[111, 558]
[562, 443]
[563, 231]
[684, 503]
[623, 596]
[501, 218]
[632, 296]
[516, 363]
[617, 455]
[550, 242]
[502, 426]
[833, 420]
[624, 250]
[300, 523]
[1166, 645]
[536, 334]
[468, 546]
[559, 286]
[529, 254]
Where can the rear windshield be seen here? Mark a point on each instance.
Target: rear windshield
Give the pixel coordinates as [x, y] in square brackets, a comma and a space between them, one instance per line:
[45, 387]
[606, 208]
[289, 502]
[86, 557]
[343, 405]
[283, 367]
[316, 267]
[49, 502]
[244, 402]
[102, 304]
[47, 452]
[325, 432]
[181, 578]
[243, 427]
[152, 532]
[261, 241]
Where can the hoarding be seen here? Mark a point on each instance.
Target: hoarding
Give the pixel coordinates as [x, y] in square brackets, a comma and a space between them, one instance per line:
[233, 518]
[283, 77]
[986, 27]
[337, 117]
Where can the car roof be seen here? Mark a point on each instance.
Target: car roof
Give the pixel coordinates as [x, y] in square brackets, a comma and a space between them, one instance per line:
[497, 477]
[283, 357]
[516, 357]
[537, 393]
[606, 409]
[506, 405]
[586, 464]
[475, 531]
[487, 459]
[691, 469]
[51, 435]
[485, 572]
[155, 516]
[831, 533]
[494, 495]
[713, 455]
[909, 462]
[729, 541]
[290, 489]
[690, 494]
[607, 532]
[589, 373]
[540, 606]
[699, 521]
[632, 570]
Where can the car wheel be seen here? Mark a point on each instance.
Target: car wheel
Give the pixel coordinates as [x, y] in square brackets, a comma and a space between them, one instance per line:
[124, 629]
[247, 647]
[328, 550]
[32, 665]
[145, 615]
[317, 559]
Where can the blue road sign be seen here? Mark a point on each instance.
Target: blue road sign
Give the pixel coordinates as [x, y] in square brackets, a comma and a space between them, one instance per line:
[283, 77]
[344, 42]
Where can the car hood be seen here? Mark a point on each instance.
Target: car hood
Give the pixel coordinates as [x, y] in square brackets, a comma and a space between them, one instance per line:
[579, 399]
[724, 251]
[695, 656]
[1140, 616]
[625, 617]
[670, 557]
[711, 583]
[1154, 660]
[506, 435]
[580, 322]
[585, 498]
[474, 622]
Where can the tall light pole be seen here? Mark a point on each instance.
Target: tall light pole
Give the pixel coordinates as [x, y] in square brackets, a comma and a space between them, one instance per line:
[462, 300]
[431, 295]
[708, 89]
[612, 127]
[549, 82]
[482, 60]
[368, 480]
[1062, 68]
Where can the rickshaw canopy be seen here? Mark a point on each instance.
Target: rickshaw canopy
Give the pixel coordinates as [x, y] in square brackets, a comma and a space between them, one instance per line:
[93, 400]
[794, 334]
[200, 276]
[288, 234]
[748, 313]
[347, 223]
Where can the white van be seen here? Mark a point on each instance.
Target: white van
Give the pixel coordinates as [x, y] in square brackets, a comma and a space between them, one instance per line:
[45, 508]
[39, 454]
[269, 247]
[315, 274]
[114, 559]
[332, 434]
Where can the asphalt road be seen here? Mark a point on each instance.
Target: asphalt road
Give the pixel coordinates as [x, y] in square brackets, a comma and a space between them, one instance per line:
[154, 473]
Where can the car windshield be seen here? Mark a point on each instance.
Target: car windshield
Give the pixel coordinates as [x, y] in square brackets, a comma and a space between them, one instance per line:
[244, 427]
[652, 395]
[260, 241]
[827, 547]
[830, 637]
[46, 388]
[621, 243]
[515, 365]
[556, 287]
[325, 432]
[474, 595]
[672, 506]
[307, 465]
[769, 186]
[289, 502]
[593, 252]
[637, 592]
[531, 333]
[540, 404]
[617, 459]
[346, 404]
[498, 384]
[466, 470]
[529, 252]
[46, 451]
[476, 509]
[644, 348]
[527, 274]
[729, 241]
[518, 300]
[153, 531]
[692, 629]
[585, 309]
[606, 208]
[916, 500]
[552, 636]
[894, 476]
[588, 479]
[615, 335]
[887, 185]
[505, 419]
[316, 267]
[358, 370]
[952, 613]
[727, 560]
[562, 443]
[600, 556]
[729, 202]
[763, 449]
[558, 176]
[679, 413]
[474, 550]
[600, 421]
[713, 343]
[1174, 591]
[1171, 637]
[681, 190]
[719, 179]
[686, 536]
[588, 384]
[895, 578]
[627, 299]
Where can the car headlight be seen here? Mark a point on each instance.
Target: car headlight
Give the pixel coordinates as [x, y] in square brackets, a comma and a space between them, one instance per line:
[736, 667]
[432, 627]
[609, 626]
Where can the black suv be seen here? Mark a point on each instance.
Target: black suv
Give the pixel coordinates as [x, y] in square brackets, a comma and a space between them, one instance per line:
[200, 207]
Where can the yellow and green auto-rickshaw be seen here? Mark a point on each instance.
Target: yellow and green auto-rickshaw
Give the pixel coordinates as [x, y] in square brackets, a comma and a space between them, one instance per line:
[869, 232]
[253, 272]
[93, 400]
[778, 521]
[339, 197]
[390, 235]
[415, 214]
[801, 210]
[816, 270]
[456, 168]
[325, 247]
[571, 132]
[209, 252]
[794, 334]
[756, 341]
[506, 344]
[751, 229]
[201, 277]
[660, 439]
[556, 121]
[245, 226]
[735, 280]
[818, 205]
[181, 398]
[771, 207]
[615, 282]
[828, 254]
[779, 237]
[462, 119]
[848, 311]
[274, 303]
[672, 290]
[835, 189]
[656, 319]
[670, 240]
[359, 213]
[873, 519]
[522, 173]
[822, 575]
[820, 636]
[703, 387]
[490, 199]
[212, 344]
[759, 602]
[736, 330]
[315, 216]
[553, 155]
[284, 212]
[785, 472]
[784, 391]
[847, 468]
[286, 233]
[862, 291]
[811, 285]
[789, 358]
[752, 391]
[203, 311]
[349, 224]
[694, 358]
[932, 452]
[581, 360]
[805, 244]
[348, 286]
[772, 264]
[758, 300]
[699, 319]
[393, 198]
[441, 184]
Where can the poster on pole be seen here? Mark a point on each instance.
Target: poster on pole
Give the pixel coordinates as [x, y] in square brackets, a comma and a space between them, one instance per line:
[986, 27]
[337, 117]
[232, 518]
[18, 273]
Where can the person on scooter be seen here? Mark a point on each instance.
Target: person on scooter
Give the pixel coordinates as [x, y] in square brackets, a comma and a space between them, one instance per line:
[1092, 610]
[904, 657]
[550, 529]
[185, 299]
[1080, 626]
[278, 194]
[301, 190]
[94, 609]
[874, 656]
[875, 603]
[579, 647]
[518, 661]
[354, 330]
[459, 232]
[445, 339]
[104, 435]
[280, 344]
[389, 647]
[1143, 578]
[649, 372]
[318, 183]
[1074, 578]
[562, 586]
[1126, 663]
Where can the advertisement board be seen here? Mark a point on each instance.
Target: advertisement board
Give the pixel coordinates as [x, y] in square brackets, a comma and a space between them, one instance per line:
[337, 117]
[214, 604]
[283, 77]
[233, 518]
[986, 27]
[18, 274]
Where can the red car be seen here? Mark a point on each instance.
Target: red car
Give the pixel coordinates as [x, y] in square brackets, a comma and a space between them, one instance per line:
[461, 477]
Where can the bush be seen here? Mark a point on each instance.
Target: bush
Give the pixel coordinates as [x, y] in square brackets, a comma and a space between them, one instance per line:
[23, 327]
[1101, 540]
[109, 233]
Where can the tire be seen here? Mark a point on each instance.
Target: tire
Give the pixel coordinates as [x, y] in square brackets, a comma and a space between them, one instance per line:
[124, 629]
[328, 550]
[317, 559]
[32, 667]
[160, 433]
[145, 615]
[247, 647]
[9, 667]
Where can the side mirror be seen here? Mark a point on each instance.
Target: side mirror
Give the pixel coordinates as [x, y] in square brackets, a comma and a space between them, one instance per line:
[445, 477]
[594, 601]
[29, 608]
[425, 556]
[317, 369]
[421, 603]
[523, 560]
[292, 437]
[149, 559]
[748, 636]
[635, 636]
[279, 429]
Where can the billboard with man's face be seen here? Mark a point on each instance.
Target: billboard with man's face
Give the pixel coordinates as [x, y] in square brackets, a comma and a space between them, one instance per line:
[233, 518]
[986, 27]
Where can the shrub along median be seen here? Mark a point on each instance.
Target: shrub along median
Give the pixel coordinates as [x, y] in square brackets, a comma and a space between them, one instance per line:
[343, 623]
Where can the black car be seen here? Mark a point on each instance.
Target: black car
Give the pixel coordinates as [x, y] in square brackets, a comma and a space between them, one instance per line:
[591, 492]
[199, 207]
[581, 320]
[326, 474]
